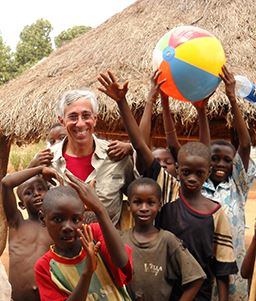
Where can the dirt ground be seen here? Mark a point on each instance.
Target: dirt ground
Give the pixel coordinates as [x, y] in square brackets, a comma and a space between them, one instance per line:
[250, 219]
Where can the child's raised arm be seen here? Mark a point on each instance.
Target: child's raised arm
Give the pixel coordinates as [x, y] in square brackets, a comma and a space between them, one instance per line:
[169, 127]
[146, 119]
[118, 92]
[15, 179]
[112, 238]
[204, 130]
[238, 121]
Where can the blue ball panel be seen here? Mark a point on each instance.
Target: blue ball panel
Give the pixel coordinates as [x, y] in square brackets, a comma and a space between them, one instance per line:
[193, 83]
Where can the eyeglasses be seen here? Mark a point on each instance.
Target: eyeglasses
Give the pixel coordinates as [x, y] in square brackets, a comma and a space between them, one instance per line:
[74, 117]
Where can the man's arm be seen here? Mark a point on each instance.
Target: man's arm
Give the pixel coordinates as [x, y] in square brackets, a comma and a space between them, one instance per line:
[117, 92]
[244, 147]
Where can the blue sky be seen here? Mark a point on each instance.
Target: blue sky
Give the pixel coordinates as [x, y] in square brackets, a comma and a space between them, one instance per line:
[16, 14]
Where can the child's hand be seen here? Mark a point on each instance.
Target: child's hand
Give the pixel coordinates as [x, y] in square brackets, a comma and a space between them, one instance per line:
[85, 192]
[117, 150]
[42, 158]
[229, 81]
[155, 86]
[91, 249]
[49, 174]
[111, 87]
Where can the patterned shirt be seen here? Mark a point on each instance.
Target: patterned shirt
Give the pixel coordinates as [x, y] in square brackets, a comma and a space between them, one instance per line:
[57, 276]
[232, 195]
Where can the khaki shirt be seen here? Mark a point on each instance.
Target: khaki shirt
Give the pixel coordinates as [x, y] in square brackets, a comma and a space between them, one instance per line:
[112, 178]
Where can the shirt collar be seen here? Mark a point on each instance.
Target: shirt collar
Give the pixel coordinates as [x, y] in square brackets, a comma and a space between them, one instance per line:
[208, 184]
[99, 151]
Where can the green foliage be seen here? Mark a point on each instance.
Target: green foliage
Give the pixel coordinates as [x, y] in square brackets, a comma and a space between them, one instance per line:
[7, 70]
[20, 157]
[69, 34]
[35, 44]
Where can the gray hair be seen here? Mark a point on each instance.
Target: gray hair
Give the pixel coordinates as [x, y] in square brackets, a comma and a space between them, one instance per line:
[73, 95]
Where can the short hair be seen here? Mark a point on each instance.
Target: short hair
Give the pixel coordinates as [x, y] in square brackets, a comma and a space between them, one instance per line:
[72, 96]
[144, 181]
[223, 143]
[36, 178]
[55, 125]
[58, 193]
[195, 149]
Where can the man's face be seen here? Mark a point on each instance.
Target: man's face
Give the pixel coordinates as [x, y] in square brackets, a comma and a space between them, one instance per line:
[79, 121]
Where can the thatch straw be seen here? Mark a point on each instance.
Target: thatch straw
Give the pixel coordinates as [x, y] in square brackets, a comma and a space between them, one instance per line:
[124, 44]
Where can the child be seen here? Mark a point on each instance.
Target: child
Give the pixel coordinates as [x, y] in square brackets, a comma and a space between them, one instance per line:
[5, 287]
[167, 157]
[200, 222]
[248, 269]
[60, 273]
[117, 92]
[159, 258]
[56, 134]
[232, 174]
[27, 240]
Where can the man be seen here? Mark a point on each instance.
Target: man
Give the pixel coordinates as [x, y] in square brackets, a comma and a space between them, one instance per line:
[85, 155]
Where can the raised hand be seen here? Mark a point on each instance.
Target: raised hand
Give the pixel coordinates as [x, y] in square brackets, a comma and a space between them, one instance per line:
[111, 87]
[89, 246]
[42, 158]
[229, 81]
[155, 86]
[49, 174]
[85, 192]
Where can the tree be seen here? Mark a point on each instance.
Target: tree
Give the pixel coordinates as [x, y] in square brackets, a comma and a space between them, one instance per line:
[6, 64]
[69, 34]
[35, 44]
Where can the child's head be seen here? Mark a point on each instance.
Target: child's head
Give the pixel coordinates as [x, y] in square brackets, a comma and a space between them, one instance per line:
[56, 134]
[166, 160]
[63, 214]
[194, 159]
[144, 196]
[222, 155]
[31, 194]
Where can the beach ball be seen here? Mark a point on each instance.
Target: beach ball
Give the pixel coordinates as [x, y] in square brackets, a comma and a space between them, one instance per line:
[190, 59]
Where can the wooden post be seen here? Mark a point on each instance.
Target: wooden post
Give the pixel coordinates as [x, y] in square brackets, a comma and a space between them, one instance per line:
[5, 145]
[4, 156]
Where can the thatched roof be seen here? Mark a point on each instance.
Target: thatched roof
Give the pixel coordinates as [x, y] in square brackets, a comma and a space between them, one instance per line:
[124, 44]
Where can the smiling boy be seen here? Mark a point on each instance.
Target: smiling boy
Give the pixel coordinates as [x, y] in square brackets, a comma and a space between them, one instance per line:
[159, 258]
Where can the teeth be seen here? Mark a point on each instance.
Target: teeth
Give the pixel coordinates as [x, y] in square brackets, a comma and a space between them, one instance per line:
[220, 173]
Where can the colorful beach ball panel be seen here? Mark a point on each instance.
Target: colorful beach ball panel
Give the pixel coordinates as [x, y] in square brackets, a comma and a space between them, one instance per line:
[191, 63]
